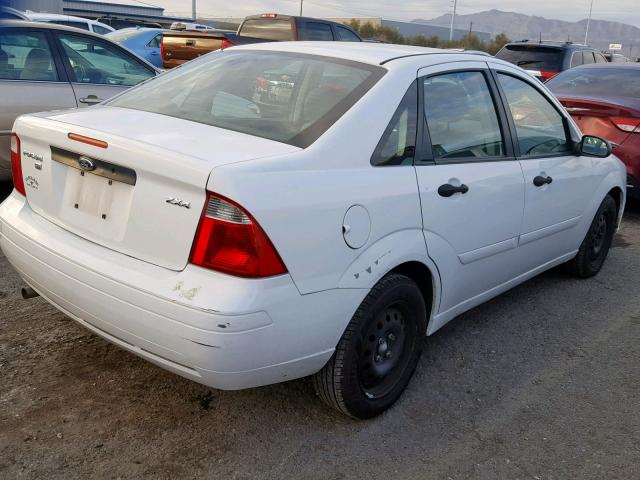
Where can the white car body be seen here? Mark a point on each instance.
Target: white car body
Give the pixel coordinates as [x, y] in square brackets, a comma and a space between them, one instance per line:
[129, 279]
[71, 21]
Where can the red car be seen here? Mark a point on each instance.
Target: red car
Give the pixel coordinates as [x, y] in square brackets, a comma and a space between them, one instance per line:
[604, 100]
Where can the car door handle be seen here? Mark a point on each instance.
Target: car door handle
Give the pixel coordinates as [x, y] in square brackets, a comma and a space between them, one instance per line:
[447, 189]
[155, 52]
[90, 100]
[540, 181]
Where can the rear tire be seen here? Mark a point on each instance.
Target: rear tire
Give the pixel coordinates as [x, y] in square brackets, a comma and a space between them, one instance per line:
[378, 352]
[596, 244]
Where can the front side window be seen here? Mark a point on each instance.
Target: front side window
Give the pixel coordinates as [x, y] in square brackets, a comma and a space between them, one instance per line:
[93, 61]
[398, 143]
[26, 56]
[315, 31]
[539, 126]
[461, 117]
[287, 97]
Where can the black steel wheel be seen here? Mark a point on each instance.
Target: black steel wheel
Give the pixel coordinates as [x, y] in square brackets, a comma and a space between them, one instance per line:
[595, 246]
[378, 351]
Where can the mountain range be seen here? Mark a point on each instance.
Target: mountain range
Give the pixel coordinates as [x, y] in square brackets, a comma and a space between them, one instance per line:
[518, 26]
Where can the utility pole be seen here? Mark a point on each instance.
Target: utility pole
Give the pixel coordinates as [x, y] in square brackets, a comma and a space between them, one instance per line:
[586, 34]
[301, 7]
[193, 9]
[453, 19]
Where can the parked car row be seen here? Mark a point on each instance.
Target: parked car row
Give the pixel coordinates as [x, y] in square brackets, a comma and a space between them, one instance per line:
[45, 66]
[179, 47]
[290, 209]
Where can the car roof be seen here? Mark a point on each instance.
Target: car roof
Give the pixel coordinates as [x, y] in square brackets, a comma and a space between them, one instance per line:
[364, 52]
[45, 26]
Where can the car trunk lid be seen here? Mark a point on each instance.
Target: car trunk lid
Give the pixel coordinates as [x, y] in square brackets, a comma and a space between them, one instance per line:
[611, 118]
[141, 192]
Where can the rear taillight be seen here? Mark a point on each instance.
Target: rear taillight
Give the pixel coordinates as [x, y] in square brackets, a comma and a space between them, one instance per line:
[226, 44]
[162, 48]
[229, 240]
[16, 165]
[548, 75]
[629, 125]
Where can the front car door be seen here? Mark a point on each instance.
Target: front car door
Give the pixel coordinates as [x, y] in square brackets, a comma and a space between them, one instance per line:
[32, 79]
[99, 69]
[471, 186]
[559, 184]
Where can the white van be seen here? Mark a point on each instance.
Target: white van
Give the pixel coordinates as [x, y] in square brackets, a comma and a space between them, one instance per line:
[68, 20]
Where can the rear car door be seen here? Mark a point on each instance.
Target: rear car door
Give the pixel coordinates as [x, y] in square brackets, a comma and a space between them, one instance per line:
[471, 187]
[31, 80]
[99, 69]
[558, 183]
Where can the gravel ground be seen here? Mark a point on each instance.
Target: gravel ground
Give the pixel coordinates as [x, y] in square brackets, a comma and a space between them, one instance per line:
[540, 383]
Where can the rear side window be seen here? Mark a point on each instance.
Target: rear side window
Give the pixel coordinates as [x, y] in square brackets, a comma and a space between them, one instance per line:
[287, 97]
[533, 57]
[398, 143]
[26, 56]
[461, 117]
[268, 28]
[97, 62]
[346, 35]
[539, 126]
[314, 31]
[597, 82]
[155, 41]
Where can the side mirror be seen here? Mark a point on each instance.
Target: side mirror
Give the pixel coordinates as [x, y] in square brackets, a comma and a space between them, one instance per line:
[594, 147]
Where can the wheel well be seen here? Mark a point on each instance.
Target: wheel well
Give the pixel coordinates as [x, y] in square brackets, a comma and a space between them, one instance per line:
[419, 273]
[616, 193]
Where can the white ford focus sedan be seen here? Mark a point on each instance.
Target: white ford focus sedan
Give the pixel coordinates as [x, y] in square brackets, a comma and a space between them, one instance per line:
[280, 210]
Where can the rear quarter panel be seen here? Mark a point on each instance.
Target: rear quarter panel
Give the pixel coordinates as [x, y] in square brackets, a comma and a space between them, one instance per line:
[301, 200]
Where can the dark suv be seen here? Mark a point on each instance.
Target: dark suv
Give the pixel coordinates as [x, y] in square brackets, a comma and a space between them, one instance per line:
[544, 60]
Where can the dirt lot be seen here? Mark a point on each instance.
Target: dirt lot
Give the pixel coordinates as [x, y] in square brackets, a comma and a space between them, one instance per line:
[540, 383]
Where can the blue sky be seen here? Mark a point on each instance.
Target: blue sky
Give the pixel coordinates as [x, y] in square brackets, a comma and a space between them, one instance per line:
[626, 11]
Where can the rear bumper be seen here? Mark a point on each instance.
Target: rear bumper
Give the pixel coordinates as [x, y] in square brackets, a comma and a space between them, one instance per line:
[222, 331]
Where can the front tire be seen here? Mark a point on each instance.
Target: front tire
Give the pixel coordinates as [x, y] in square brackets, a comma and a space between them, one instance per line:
[596, 244]
[378, 352]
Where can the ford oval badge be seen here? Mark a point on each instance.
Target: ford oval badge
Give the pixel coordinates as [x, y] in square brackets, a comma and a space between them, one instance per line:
[86, 164]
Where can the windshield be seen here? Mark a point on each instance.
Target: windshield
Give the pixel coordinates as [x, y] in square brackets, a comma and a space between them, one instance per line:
[287, 97]
[597, 82]
[533, 57]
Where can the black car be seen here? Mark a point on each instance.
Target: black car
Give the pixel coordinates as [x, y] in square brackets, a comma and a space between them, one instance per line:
[544, 60]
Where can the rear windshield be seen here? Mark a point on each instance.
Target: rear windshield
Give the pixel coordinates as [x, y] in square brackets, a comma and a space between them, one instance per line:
[287, 97]
[268, 28]
[533, 57]
[597, 82]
